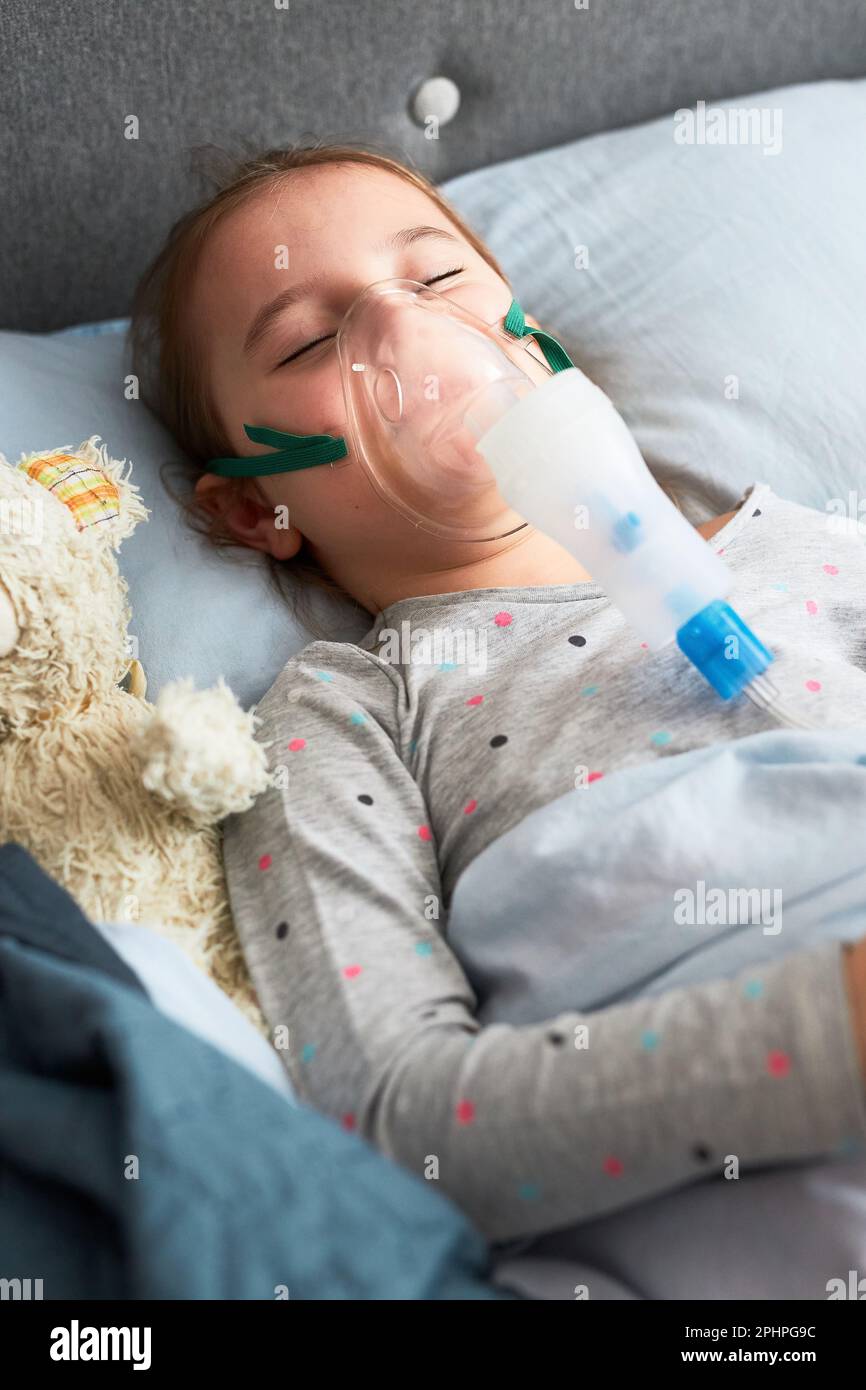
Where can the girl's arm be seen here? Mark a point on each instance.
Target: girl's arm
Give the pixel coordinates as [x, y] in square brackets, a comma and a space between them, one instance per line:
[335, 890]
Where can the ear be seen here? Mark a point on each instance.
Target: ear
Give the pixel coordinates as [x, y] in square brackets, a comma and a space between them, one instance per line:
[250, 520]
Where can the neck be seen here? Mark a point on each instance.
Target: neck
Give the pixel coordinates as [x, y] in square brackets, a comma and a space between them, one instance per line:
[526, 560]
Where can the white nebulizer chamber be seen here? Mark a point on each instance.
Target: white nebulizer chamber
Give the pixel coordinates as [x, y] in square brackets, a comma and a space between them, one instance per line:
[566, 461]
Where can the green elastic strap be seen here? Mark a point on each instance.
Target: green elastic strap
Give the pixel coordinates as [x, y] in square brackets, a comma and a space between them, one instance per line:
[296, 451]
[515, 324]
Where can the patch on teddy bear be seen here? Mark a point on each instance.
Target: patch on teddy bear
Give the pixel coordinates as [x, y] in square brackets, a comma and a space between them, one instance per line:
[90, 495]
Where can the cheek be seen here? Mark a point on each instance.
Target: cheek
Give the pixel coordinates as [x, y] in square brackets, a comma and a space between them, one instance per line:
[488, 298]
[297, 403]
[306, 402]
[329, 505]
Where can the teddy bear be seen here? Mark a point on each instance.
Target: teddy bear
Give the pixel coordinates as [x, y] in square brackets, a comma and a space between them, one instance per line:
[119, 800]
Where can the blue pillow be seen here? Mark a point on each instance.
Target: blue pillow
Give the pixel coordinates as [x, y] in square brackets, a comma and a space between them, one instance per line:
[195, 611]
[719, 298]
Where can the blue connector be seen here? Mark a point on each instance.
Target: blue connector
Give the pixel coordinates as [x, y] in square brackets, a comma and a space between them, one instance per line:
[725, 651]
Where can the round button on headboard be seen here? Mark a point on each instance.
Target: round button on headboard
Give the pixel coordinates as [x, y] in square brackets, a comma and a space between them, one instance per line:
[437, 99]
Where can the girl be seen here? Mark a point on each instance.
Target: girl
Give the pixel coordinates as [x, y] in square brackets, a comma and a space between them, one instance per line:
[397, 774]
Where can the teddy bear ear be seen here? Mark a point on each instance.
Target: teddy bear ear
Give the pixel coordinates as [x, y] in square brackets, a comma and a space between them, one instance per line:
[91, 485]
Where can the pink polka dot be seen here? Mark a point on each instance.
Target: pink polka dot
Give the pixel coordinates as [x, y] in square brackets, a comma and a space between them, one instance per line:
[424, 832]
[831, 569]
[475, 700]
[503, 620]
[613, 1166]
[721, 552]
[465, 1112]
[297, 744]
[351, 971]
[811, 606]
[469, 807]
[348, 1121]
[778, 1063]
[265, 862]
[813, 685]
[645, 646]
[594, 776]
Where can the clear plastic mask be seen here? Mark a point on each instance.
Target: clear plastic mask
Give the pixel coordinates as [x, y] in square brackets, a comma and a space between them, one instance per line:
[423, 378]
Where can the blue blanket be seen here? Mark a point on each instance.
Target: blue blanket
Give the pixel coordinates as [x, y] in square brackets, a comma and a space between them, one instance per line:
[684, 870]
[138, 1161]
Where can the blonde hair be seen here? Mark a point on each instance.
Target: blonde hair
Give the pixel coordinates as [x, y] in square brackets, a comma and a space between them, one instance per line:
[164, 355]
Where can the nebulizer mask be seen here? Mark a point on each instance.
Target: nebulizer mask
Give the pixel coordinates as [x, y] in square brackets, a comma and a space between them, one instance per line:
[471, 430]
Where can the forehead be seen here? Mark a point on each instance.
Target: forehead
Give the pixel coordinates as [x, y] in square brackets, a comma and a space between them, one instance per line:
[313, 218]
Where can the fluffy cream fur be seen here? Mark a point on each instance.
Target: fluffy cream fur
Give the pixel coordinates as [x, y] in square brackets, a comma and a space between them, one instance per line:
[119, 800]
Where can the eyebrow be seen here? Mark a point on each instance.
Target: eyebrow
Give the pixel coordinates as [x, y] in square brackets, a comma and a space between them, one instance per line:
[271, 311]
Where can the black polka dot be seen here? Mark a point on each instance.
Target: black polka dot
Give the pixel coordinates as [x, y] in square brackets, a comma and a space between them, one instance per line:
[556, 1038]
[701, 1153]
[365, 799]
[577, 641]
[498, 740]
[756, 512]
[282, 931]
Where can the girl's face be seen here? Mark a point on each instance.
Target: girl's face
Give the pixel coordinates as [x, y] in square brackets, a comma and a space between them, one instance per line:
[273, 283]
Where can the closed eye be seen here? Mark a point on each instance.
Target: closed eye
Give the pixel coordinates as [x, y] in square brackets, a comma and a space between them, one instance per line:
[444, 274]
[306, 348]
[434, 279]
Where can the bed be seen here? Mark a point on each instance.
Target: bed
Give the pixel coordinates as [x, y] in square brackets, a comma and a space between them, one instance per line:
[706, 283]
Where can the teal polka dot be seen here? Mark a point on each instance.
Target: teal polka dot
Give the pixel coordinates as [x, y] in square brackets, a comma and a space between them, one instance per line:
[589, 690]
[413, 745]
[650, 1039]
[448, 666]
[358, 718]
[424, 948]
[661, 737]
[754, 988]
[324, 675]
[529, 1191]
[850, 1146]
[308, 1052]
[783, 587]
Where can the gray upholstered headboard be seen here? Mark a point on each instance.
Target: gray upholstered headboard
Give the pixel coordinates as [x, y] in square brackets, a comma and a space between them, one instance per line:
[83, 207]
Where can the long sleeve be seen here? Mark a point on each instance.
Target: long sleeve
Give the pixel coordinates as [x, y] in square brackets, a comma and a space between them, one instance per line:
[335, 889]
